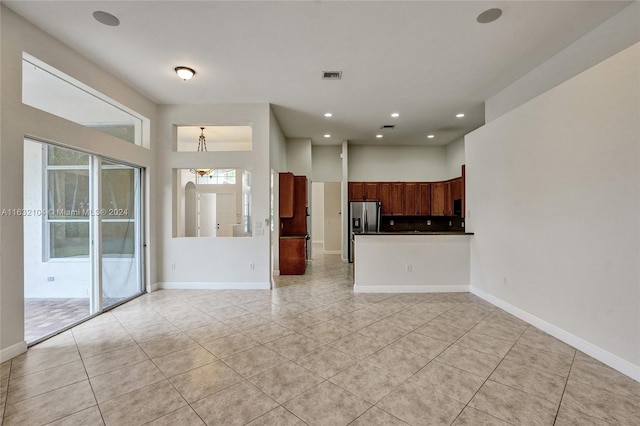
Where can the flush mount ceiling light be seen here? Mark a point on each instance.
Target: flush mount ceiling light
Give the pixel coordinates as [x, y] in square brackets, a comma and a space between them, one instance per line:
[395, 115]
[185, 73]
[106, 18]
[430, 136]
[459, 115]
[489, 15]
[327, 135]
[379, 136]
[202, 147]
[328, 114]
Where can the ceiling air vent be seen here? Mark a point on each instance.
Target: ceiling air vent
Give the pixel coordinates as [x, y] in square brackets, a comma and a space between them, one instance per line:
[331, 75]
[388, 127]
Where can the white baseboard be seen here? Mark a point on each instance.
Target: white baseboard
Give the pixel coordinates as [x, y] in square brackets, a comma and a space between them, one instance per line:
[613, 361]
[13, 351]
[153, 287]
[276, 272]
[410, 288]
[214, 285]
[332, 252]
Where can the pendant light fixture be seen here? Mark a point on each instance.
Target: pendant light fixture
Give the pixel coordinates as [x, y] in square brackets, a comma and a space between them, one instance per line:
[202, 147]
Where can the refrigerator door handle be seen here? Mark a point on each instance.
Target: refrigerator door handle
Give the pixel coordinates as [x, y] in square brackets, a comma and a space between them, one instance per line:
[366, 219]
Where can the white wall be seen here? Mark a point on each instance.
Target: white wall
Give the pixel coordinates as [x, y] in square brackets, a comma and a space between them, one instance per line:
[397, 163]
[553, 196]
[215, 262]
[278, 162]
[332, 217]
[18, 120]
[454, 157]
[326, 163]
[615, 34]
[299, 157]
[317, 212]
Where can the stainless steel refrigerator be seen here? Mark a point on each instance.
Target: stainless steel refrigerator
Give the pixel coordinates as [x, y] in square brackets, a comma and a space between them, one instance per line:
[364, 216]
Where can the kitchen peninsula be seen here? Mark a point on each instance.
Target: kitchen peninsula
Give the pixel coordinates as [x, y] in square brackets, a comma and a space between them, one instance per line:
[411, 262]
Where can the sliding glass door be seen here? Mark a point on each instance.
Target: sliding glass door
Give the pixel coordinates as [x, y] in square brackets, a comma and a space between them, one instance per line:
[120, 232]
[82, 234]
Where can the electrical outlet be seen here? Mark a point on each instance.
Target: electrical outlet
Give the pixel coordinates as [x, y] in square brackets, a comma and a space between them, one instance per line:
[51, 279]
[428, 223]
[462, 224]
[252, 266]
[409, 267]
[504, 281]
[392, 223]
[173, 266]
[449, 223]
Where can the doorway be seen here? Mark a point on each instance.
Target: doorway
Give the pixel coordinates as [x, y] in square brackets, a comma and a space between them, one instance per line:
[326, 217]
[82, 236]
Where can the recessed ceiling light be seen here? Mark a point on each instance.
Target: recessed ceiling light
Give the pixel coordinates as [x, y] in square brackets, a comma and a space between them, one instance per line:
[489, 15]
[379, 136]
[106, 18]
[460, 115]
[430, 136]
[185, 73]
[327, 135]
[395, 115]
[328, 114]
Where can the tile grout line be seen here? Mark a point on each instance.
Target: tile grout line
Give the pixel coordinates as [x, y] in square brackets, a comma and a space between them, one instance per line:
[564, 389]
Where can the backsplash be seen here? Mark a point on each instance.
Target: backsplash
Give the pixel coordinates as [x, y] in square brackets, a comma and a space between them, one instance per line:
[421, 224]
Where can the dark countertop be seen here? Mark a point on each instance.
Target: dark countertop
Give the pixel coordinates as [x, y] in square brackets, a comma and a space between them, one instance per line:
[412, 233]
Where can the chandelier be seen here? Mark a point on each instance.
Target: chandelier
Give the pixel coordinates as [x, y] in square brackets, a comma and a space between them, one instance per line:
[202, 147]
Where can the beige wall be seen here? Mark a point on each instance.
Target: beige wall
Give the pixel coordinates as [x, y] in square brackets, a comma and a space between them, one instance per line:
[553, 195]
[332, 218]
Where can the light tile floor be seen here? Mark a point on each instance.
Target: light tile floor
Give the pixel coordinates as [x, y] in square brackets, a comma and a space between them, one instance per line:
[310, 352]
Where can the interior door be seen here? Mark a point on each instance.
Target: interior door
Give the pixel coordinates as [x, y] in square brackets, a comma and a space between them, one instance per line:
[226, 214]
[207, 214]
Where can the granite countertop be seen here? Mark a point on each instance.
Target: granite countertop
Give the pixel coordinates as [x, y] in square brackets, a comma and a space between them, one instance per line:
[414, 233]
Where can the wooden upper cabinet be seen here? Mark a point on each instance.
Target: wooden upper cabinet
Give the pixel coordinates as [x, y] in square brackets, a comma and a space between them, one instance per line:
[397, 199]
[438, 193]
[286, 195]
[410, 199]
[424, 199]
[363, 191]
[356, 191]
[371, 191]
[384, 192]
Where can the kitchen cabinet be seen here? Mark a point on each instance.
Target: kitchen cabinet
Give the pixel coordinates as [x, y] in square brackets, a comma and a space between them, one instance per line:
[293, 255]
[384, 192]
[297, 223]
[440, 199]
[397, 199]
[286, 182]
[424, 199]
[414, 198]
[410, 199]
[363, 191]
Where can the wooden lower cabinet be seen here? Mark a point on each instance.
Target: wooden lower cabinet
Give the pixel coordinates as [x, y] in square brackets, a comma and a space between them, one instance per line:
[293, 256]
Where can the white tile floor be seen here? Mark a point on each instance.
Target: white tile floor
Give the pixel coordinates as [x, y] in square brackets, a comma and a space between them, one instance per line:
[311, 352]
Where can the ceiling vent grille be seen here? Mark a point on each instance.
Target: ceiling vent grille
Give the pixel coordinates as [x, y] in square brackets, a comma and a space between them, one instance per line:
[388, 127]
[331, 75]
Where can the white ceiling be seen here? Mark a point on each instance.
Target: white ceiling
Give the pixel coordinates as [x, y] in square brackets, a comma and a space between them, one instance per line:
[426, 60]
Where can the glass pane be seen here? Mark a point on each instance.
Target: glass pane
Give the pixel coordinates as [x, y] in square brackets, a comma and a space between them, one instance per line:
[68, 194]
[117, 192]
[50, 90]
[118, 239]
[57, 156]
[69, 239]
[121, 276]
